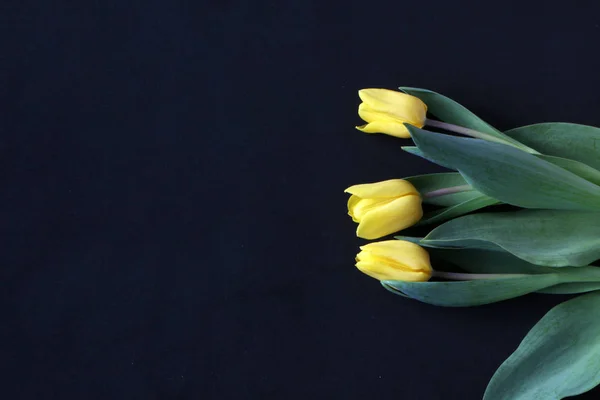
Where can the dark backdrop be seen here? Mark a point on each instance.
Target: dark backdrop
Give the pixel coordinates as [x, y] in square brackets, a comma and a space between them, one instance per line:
[172, 213]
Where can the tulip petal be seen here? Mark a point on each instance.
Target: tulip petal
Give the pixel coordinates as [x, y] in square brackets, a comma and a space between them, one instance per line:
[389, 188]
[369, 114]
[392, 217]
[365, 205]
[382, 272]
[387, 127]
[398, 105]
[352, 201]
[409, 255]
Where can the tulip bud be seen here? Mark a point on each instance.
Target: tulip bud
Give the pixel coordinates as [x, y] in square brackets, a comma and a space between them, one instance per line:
[395, 260]
[386, 111]
[384, 207]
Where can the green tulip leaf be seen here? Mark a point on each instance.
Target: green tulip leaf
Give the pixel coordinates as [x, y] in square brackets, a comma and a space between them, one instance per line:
[499, 262]
[480, 261]
[571, 288]
[463, 244]
[415, 151]
[571, 141]
[559, 357]
[509, 174]
[550, 238]
[438, 216]
[578, 168]
[432, 182]
[472, 293]
[452, 112]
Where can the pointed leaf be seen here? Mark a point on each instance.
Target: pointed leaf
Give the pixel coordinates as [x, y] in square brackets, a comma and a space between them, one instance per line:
[454, 113]
[543, 237]
[450, 111]
[473, 293]
[479, 261]
[457, 210]
[572, 141]
[578, 168]
[509, 174]
[571, 288]
[415, 151]
[559, 357]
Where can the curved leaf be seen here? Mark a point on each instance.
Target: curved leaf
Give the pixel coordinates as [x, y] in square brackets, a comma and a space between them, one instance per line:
[542, 237]
[415, 151]
[457, 210]
[509, 174]
[473, 293]
[559, 357]
[578, 168]
[450, 111]
[452, 245]
[572, 141]
[571, 288]
[499, 262]
[480, 261]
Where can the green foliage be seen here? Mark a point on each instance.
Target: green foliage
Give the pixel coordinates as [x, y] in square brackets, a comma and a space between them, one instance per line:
[559, 357]
[509, 174]
[543, 237]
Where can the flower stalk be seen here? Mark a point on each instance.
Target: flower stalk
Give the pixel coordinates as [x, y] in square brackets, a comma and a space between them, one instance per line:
[447, 190]
[475, 134]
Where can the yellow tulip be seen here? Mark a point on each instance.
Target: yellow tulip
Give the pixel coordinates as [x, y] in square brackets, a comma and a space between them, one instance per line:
[395, 260]
[386, 111]
[384, 207]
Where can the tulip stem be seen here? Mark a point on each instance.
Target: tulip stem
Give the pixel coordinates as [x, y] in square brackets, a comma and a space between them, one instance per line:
[457, 276]
[448, 190]
[476, 134]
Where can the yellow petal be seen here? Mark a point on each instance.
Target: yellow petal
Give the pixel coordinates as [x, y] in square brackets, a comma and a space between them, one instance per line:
[352, 201]
[389, 188]
[398, 105]
[384, 273]
[387, 127]
[369, 114]
[401, 252]
[389, 218]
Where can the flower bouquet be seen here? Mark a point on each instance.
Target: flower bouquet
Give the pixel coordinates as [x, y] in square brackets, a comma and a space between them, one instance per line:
[519, 214]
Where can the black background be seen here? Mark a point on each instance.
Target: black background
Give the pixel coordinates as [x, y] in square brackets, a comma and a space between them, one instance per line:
[173, 220]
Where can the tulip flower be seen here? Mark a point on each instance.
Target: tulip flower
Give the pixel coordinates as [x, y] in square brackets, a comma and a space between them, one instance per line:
[396, 260]
[384, 207]
[386, 111]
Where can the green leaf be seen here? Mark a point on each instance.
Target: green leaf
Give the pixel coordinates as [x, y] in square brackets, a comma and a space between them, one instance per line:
[480, 261]
[542, 237]
[431, 182]
[475, 292]
[500, 262]
[415, 151]
[509, 174]
[578, 168]
[572, 141]
[571, 288]
[450, 111]
[559, 357]
[463, 244]
[438, 216]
